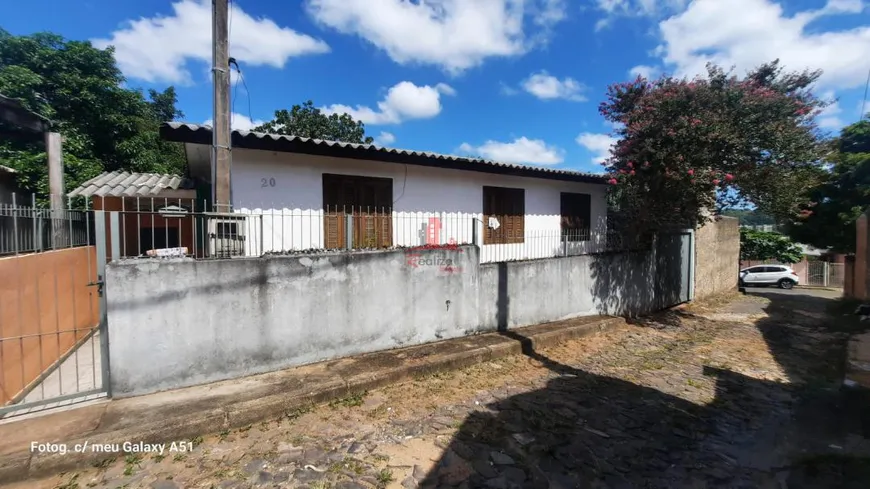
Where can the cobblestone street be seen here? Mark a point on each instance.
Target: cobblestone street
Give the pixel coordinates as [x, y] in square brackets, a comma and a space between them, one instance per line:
[731, 394]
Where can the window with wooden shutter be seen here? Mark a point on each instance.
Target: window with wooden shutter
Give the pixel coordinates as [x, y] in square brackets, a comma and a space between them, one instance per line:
[508, 206]
[366, 201]
[576, 215]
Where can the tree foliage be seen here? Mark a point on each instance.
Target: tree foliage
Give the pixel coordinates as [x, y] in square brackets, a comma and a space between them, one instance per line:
[761, 245]
[828, 221]
[308, 121]
[105, 126]
[688, 147]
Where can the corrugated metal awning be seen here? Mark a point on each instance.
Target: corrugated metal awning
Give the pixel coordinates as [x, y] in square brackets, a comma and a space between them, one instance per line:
[126, 184]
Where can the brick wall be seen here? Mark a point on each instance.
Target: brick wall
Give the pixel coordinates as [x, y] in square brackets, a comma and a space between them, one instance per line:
[717, 257]
[861, 270]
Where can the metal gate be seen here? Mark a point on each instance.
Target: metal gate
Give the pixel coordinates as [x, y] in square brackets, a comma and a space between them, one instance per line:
[53, 341]
[675, 263]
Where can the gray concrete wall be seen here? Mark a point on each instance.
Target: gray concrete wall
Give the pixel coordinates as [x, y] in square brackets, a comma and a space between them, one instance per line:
[522, 293]
[176, 323]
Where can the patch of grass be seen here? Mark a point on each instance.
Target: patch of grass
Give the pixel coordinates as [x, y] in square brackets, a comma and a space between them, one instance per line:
[298, 412]
[158, 458]
[104, 463]
[384, 477]
[71, 484]
[131, 462]
[380, 458]
[196, 441]
[694, 383]
[320, 485]
[223, 435]
[245, 429]
[179, 457]
[353, 400]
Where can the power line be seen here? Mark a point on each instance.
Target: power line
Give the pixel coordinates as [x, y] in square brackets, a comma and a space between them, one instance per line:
[864, 102]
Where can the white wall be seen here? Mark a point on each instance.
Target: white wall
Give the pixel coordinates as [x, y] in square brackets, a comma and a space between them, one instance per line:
[283, 192]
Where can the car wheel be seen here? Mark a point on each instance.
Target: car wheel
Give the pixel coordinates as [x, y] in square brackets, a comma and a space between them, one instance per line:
[786, 284]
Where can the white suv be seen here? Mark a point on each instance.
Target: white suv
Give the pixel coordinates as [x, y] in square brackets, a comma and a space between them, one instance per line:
[780, 275]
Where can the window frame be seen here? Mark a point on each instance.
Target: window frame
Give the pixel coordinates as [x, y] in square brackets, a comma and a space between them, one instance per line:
[508, 205]
[367, 201]
[580, 210]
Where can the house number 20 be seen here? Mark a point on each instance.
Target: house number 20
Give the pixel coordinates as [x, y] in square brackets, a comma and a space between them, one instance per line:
[267, 182]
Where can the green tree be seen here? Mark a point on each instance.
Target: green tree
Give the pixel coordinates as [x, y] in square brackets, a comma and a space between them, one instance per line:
[688, 147]
[828, 221]
[308, 121]
[105, 126]
[760, 245]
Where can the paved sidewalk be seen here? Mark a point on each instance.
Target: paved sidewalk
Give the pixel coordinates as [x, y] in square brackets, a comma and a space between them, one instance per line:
[183, 414]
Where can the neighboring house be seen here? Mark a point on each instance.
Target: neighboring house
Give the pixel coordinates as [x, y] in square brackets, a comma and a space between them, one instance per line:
[301, 192]
[9, 186]
[154, 210]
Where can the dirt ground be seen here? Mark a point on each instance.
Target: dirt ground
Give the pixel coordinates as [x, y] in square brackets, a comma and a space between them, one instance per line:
[743, 391]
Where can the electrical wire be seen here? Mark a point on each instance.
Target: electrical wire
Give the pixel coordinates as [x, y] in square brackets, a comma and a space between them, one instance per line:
[247, 92]
[863, 113]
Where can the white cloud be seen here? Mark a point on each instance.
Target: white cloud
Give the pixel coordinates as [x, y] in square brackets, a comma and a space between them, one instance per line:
[385, 139]
[598, 144]
[830, 116]
[403, 101]
[644, 71]
[452, 34]
[506, 89]
[157, 49]
[548, 87]
[521, 150]
[747, 33]
[613, 9]
[239, 122]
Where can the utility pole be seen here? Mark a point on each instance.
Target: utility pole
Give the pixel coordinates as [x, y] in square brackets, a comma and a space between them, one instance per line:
[60, 238]
[221, 160]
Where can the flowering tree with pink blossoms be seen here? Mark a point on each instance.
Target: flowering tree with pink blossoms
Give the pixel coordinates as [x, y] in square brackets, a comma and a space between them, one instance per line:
[688, 147]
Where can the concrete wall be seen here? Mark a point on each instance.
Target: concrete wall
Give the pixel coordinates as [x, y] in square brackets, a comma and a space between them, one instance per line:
[285, 191]
[179, 322]
[717, 257]
[515, 294]
[46, 307]
[175, 323]
[861, 270]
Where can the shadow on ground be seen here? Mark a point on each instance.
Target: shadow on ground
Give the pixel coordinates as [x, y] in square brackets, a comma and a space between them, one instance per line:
[590, 431]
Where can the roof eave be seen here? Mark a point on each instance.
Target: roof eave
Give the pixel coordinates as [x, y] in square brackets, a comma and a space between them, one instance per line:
[202, 135]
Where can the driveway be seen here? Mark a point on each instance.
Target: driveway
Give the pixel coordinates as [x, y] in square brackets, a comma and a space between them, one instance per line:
[735, 394]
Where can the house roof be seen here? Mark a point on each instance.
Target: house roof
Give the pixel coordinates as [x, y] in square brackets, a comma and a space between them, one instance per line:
[14, 112]
[126, 184]
[201, 134]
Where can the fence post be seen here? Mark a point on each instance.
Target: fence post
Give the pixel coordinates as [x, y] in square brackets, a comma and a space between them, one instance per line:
[474, 231]
[348, 231]
[825, 274]
[565, 245]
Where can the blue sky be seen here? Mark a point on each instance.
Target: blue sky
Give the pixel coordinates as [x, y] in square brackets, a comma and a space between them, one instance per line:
[510, 80]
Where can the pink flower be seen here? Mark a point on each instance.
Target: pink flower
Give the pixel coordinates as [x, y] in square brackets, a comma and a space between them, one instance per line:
[646, 164]
[622, 172]
[691, 172]
[630, 164]
[729, 177]
[716, 182]
[612, 181]
[631, 172]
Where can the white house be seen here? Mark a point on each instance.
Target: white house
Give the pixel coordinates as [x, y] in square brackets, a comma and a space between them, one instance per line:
[299, 193]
